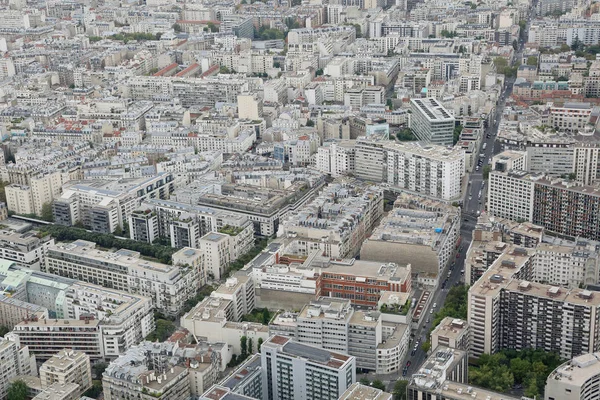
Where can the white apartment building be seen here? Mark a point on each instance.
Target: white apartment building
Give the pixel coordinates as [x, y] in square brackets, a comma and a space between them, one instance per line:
[169, 286]
[429, 170]
[67, 366]
[103, 206]
[431, 122]
[566, 265]
[332, 324]
[510, 196]
[26, 249]
[304, 372]
[336, 158]
[571, 117]
[221, 249]
[451, 332]
[15, 361]
[577, 379]
[213, 320]
[239, 289]
[99, 322]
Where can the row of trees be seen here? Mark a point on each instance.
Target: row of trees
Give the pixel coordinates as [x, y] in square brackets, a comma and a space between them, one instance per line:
[67, 233]
[529, 368]
[126, 37]
[503, 67]
[246, 350]
[258, 315]
[164, 328]
[246, 258]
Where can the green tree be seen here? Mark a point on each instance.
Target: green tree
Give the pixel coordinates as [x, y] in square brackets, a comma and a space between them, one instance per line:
[260, 342]
[406, 135]
[520, 369]
[532, 389]
[456, 135]
[47, 214]
[377, 384]
[400, 389]
[212, 27]
[244, 347]
[164, 329]
[17, 390]
[426, 346]
[224, 70]
[99, 369]
[486, 171]
[266, 316]
[4, 330]
[365, 381]
[250, 346]
[319, 72]
[532, 60]
[95, 391]
[176, 27]
[310, 122]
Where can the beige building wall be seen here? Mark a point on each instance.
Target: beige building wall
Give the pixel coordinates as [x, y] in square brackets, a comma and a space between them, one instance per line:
[421, 258]
[19, 199]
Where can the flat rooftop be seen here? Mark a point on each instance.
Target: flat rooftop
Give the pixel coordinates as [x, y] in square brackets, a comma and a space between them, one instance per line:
[451, 328]
[362, 268]
[578, 370]
[124, 258]
[310, 353]
[358, 391]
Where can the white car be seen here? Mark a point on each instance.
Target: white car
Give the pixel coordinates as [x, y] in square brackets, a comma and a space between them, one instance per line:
[434, 305]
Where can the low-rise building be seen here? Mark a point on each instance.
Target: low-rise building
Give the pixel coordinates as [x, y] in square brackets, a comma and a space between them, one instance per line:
[451, 332]
[65, 367]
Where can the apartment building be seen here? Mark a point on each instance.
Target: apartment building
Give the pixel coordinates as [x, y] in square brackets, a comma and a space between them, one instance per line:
[336, 157]
[143, 225]
[65, 367]
[510, 196]
[144, 382]
[571, 117]
[507, 310]
[332, 324]
[431, 122]
[246, 380]
[339, 219]
[27, 249]
[221, 249]
[29, 199]
[68, 391]
[429, 170]
[239, 289]
[417, 231]
[169, 286]
[104, 206]
[451, 332]
[576, 379]
[99, 322]
[359, 391]
[304, 372]
[15, 360]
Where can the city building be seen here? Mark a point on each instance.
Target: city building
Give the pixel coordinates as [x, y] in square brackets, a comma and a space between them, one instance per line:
[303, 372]
[451, 332]
[15, 360]
[169, 286]
[65, 367]
[578, 378]
[417, 231]
[338, 220]
[506, 309]
[440, 169]
[332, 324]
[27, 249]
[431, 122]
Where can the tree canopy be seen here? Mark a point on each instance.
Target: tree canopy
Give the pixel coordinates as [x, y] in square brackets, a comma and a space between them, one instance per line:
[17, 390]
[502, 370]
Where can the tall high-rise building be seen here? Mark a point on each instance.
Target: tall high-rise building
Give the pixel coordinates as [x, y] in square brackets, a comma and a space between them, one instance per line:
[431, 122]
[303, 372]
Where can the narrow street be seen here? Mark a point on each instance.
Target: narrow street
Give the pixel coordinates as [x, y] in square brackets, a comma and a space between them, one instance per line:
[473, 205]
